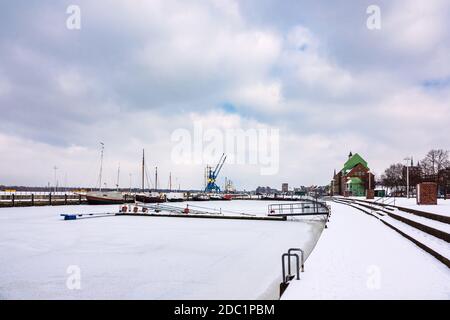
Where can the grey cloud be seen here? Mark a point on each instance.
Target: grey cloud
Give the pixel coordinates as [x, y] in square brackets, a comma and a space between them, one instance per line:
[162, 61]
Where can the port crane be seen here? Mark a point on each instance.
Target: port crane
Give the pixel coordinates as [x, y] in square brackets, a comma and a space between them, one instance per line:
[211, 175]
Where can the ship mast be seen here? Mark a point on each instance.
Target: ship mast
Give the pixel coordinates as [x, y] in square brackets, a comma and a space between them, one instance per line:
[156, 178]
[143, 169]
[101, 167]
[118, 177]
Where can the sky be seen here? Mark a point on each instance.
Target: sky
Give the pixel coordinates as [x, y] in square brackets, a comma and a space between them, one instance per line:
[309, 78]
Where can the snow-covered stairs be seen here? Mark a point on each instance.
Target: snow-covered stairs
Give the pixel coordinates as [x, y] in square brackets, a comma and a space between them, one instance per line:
[429, 232]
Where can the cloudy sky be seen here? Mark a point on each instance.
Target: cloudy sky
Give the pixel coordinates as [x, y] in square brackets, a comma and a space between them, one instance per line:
[137, 71]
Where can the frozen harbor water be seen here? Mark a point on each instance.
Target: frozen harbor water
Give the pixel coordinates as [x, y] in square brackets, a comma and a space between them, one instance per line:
[146, 257]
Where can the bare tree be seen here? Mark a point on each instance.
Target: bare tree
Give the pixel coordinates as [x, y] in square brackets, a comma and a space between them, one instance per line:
[392, 176]
[434, 161]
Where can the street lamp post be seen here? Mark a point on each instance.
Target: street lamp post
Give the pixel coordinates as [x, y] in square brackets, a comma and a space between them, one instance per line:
[407, 182]
[407, 176]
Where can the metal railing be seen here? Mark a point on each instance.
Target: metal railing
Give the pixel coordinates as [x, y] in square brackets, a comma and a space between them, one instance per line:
[299, 264]
[382, 201]
[298, 209]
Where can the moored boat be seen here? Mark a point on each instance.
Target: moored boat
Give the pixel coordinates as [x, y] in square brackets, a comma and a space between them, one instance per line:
[227, 197]
[219, 196]
[105, 197]
[150, 197]
[175, 197]
[200, 197]
[215, 196]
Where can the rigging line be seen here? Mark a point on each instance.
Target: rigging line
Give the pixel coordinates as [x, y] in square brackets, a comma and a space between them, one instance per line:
[147, 176]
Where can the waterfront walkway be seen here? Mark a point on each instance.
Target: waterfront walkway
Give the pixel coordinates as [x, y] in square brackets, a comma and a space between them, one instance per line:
[358, 257]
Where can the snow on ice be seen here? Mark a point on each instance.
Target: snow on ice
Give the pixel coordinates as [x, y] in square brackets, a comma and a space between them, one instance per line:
[145, 257]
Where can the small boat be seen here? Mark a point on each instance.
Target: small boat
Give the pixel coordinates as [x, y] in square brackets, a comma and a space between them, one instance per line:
[150, 197]
[175, 197]
[105, 197]
[218, 196]
[200, 197]
[215, 196]
[227, 197]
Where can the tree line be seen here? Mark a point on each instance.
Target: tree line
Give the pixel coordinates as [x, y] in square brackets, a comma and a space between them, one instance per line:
[431, 165]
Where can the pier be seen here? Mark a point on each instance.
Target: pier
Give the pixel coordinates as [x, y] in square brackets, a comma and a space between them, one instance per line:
[27, 199]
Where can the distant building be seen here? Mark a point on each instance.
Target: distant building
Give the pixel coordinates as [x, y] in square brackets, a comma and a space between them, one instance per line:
[265, 190]
[443, 181]
[353, 179]
[415, 175]
[300, 191]
[285, 187]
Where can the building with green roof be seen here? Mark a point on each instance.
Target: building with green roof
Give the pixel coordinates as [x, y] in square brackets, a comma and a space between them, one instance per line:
[353, 179]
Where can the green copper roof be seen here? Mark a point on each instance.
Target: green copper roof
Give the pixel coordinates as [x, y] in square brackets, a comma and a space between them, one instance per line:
[353, 161]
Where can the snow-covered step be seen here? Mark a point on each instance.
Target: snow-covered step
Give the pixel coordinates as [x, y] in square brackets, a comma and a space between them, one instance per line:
[439, 212]
[379, 205]
[353, 248]
[433, 227]
[367, 208]
[426, 240]
[425, 214]
[439, 246]
[445, 227]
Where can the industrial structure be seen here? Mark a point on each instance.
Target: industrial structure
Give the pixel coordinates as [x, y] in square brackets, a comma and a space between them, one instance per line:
[211, 175]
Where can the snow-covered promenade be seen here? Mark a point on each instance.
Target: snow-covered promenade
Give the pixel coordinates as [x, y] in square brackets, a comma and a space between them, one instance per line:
[358, 257]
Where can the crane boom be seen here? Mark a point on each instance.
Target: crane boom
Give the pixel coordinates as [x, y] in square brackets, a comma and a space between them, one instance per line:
[216, 173]
[211, 185]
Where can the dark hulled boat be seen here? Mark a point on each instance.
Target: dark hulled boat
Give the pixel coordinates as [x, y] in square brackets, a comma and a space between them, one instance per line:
[150, 197]
[105, 197]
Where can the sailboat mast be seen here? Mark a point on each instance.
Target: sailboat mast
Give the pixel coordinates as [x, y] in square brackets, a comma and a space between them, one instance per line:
[118, 177]
[101, 166]
[156, 178]
[170, 181]
[143, 169]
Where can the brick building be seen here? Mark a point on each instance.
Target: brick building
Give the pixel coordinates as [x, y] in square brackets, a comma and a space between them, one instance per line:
[443, 182]
[442, 179]
[353, 179]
